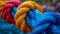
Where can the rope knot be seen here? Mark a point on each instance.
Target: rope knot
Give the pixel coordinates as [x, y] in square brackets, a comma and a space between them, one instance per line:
[49, 23]
[21, 13]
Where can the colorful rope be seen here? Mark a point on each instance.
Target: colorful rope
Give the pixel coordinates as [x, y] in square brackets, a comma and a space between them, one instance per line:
[29, 17]
[2, 3]
[21, 13]
[9, 10]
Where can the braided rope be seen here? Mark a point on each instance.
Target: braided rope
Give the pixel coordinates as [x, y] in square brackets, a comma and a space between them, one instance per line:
[9, 10]
[47, 23]
[21, 13]
[2, 3]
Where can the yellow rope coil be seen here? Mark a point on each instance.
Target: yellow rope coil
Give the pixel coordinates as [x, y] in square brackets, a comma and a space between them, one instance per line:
[2, 3]
[21, 13]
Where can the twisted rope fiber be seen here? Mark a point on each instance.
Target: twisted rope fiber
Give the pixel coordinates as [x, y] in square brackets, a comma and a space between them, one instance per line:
[9, 10]
[21, 13]
[6, 28]
[47, 23]
[2, 3]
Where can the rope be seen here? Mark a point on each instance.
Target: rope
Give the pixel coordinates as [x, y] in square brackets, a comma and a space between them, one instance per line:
[2, 3]
[9, 10]
[21, 13]
[6, 28]
[46, 23]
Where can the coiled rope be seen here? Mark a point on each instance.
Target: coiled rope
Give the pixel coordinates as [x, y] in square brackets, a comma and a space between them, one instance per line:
[9, 10]
[2, 3]
[21, 13]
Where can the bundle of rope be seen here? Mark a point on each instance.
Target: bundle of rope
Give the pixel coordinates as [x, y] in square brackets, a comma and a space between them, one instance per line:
[2, 3]
[6, 28]
[21, 13]
[9, 10]
[47, 23]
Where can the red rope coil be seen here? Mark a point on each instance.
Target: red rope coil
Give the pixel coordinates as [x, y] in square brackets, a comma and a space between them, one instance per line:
[7, 9]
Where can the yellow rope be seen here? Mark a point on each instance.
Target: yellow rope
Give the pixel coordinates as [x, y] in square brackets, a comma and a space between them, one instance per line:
[21, 13]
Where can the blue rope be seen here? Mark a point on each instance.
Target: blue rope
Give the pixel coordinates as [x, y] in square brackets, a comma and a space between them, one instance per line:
[46, 23]
[6, 28]
[33, 16]
[13, 11]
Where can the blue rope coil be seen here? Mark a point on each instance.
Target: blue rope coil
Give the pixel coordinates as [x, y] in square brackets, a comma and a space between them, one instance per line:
[6, 28]
[46, 23]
